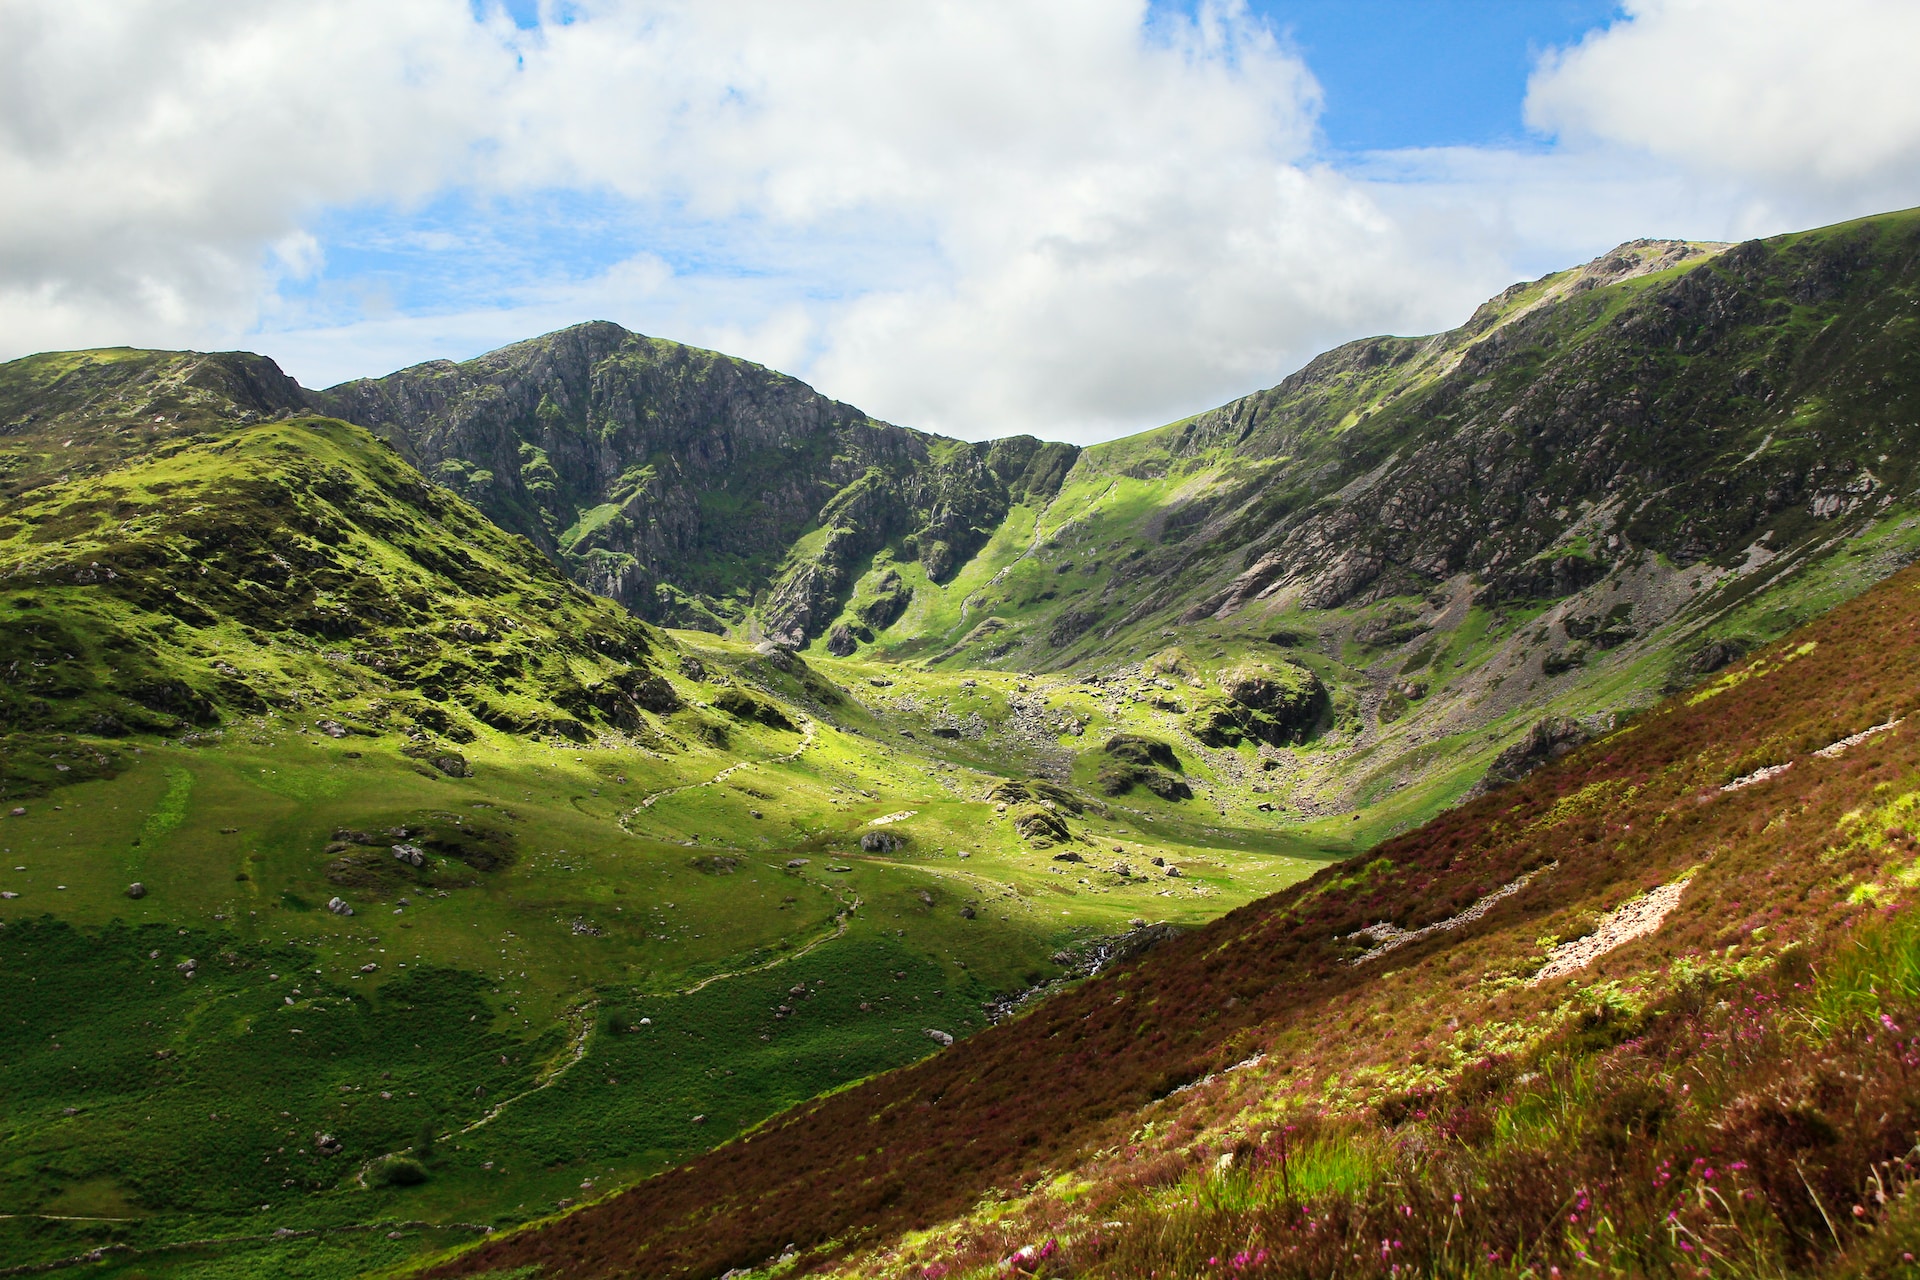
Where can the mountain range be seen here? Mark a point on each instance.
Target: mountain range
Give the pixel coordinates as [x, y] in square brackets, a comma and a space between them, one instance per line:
[503, 783]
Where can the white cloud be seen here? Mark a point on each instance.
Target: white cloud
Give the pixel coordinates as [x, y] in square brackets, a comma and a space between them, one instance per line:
[1813, 107]
[973, 215]
[158, 155]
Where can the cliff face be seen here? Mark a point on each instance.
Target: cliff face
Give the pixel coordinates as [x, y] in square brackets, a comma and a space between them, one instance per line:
[684, 483]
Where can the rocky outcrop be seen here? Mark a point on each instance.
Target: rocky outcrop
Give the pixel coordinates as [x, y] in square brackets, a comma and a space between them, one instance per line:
[1279, 704]
[1667, 400]
[1130, 760]
[1548, 740]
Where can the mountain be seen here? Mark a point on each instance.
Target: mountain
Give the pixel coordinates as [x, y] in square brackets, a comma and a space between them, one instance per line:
[360, 866]
[1605, 483]
[1650, 1007]
[690, 486]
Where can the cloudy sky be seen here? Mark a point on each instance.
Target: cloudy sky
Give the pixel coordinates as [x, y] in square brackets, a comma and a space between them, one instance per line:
[1073, 217]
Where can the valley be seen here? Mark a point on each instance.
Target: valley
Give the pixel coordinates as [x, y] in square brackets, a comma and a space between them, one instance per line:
[435, 803]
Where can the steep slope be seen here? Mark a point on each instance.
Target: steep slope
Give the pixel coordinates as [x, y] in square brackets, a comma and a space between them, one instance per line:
[1588, 1001]
[688, 485]
[170, 558]
[1607, 482]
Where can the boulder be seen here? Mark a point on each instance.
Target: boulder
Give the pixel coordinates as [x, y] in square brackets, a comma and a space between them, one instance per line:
[339, 907]
[879, 842]
[410, 854]
[840, 641]
[941, 1037]
[451, 763]
[136, 890]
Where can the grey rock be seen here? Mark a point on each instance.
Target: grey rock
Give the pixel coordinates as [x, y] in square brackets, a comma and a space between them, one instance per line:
[136, 890]
[451, 763]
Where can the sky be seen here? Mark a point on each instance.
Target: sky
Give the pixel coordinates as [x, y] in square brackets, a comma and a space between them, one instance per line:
[1077, 218]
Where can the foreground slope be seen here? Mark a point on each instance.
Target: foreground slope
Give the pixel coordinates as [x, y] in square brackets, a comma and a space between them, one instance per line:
[1650, 1008]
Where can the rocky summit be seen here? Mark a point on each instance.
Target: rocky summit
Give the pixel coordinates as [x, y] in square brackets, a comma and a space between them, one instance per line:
[604, 808]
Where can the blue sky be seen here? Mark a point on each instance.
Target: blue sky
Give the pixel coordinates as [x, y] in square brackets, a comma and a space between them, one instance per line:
[1077, 218]
[1428, 73]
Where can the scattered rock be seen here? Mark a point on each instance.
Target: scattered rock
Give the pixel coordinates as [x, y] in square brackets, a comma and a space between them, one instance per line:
[339, 907]
[879, 842]
[332, 728]
[794, 863]
[940, 1037]
[136, 890]
[967, 912]
[410, 854]
[18, 811]
[327, 1145]
[1173, 872]
[1068, 856]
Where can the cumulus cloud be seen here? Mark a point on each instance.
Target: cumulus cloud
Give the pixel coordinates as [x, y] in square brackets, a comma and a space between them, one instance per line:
[159, 156]
[1119, 215]
[973, 215]
[1814, 107]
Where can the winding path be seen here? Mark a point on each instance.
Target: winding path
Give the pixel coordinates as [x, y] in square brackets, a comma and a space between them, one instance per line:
[841, 919]
[807, 735]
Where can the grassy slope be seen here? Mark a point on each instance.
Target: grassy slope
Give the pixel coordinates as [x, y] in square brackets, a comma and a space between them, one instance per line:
[191, 593]
[1398, 1089]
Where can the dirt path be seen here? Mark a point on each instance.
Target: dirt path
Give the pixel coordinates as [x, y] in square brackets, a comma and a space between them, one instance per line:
[807, 734]
[841, 920]
[582, 1018]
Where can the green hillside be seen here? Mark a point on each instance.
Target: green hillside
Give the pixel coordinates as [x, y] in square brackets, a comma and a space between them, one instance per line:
[1649, 1012]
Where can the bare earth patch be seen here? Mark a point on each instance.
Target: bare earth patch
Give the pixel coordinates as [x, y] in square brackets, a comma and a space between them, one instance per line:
[1634, 920]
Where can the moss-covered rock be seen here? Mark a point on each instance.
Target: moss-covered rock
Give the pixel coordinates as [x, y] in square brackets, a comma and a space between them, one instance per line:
[1276, 703]
[1132, 760]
